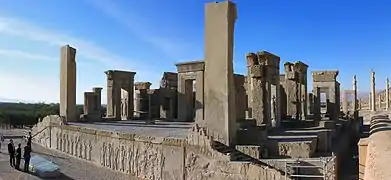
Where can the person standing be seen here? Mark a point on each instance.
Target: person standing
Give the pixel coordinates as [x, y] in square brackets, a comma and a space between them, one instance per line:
[18, 156]
[11, 152]
[29, 139]
[26, 157]
[1, 140]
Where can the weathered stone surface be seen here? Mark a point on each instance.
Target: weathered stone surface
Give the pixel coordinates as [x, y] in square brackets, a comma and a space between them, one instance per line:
[118, 107]
[169, 80]
[252, 151]
[293, 149]
[220, 99]
[68, 83]
[190, 66]
[142, 85]
[148, 157]
[324, 76]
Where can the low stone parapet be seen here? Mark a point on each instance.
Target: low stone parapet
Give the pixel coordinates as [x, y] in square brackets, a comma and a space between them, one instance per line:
[149, 157]
[376, 157]
[292, 147]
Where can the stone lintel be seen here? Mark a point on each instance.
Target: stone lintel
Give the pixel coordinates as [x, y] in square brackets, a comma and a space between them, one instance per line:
[300, 66]
[324, 76]
[111, 74]
[191, 66]
[97, 89]
[268, 59]
[142, 85]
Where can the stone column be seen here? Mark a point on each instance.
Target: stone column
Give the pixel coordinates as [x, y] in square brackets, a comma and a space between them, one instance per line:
[199, 106]
[68, 83]
[98, 94]
[256, 90]
[220, 110]
[302, 68]
[129, 100]
[292, 90]
[355, 101]
[316, 93]
[379, 103]
[310, 101]
[373, 91]
[141, 99]
[345, 101]
[185, 98]
[113, 97]
[387, 95]
[370, 101]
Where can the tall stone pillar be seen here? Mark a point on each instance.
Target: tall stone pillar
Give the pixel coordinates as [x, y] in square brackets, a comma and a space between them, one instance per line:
[98, 94]
[370, 101]
[272, 94]
[292, 90]
[220, 110]
[355, 101]
[302, 81]
[256, 90]
[68, 83]
[373, 91]
[113, 97]
[310, 101]
[317, 108]
[387, 94]
[141, 99]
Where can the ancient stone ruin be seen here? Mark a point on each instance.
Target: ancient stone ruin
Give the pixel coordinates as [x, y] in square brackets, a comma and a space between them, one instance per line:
[260, 125]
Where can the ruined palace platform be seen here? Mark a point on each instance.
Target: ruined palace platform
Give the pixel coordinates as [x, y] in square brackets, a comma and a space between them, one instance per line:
[159, 129]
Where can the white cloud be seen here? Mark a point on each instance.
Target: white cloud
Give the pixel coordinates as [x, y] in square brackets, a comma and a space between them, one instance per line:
[28, 88]
[170, 46]
[12, 53]
[15, 84]
[86, 49]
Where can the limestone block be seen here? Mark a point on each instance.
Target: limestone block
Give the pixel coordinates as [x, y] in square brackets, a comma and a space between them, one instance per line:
[293, 149]
[290, 75]
[252, 151]
[256, 71]
[324, 76]
[142, 85]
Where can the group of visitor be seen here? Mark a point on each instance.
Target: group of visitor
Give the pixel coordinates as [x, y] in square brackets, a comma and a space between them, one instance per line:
[16, 154]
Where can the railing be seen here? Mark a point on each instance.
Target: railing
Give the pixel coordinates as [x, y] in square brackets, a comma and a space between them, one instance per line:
[310, 168]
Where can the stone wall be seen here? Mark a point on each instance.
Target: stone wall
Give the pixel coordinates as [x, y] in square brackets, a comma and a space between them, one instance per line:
[144, 156]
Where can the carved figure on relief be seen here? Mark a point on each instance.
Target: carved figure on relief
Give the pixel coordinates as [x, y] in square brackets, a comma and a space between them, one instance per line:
[77, 146]
[130, 161]
[63, 142]
[57, 141]
[67, 144]
[109, 155]
[89, 150]
[116, 160]
[103, 155]
[85, 150]
[80, 149]
[274, 110]
[72, 144]
[123, 159]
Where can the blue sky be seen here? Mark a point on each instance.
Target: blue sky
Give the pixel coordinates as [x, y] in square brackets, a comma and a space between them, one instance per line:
[150, 36]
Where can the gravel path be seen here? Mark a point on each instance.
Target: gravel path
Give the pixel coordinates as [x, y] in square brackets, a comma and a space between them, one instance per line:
[71, 168]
